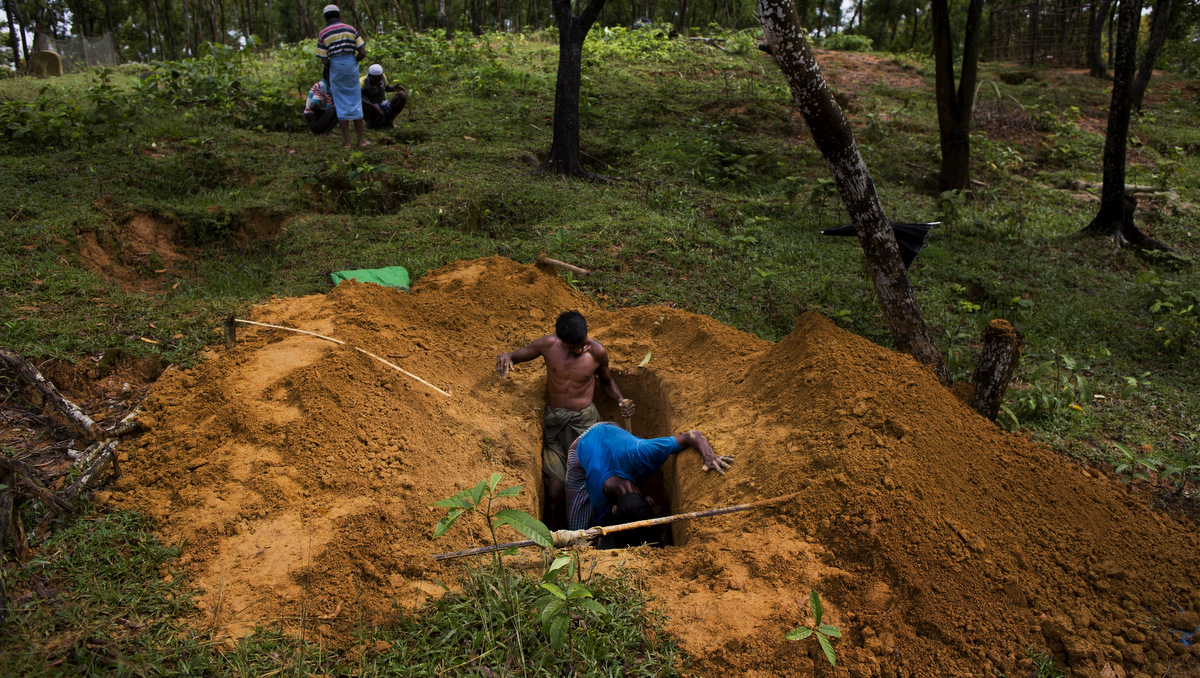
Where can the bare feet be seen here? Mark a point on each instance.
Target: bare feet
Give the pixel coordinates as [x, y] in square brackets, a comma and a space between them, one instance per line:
[346, 145]
[364, 142]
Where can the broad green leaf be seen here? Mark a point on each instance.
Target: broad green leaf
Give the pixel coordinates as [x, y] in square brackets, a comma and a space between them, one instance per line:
[459, 500]
[825, 645]
[1085, 389]
[799, 634]
[815, 601]
[557, 632]
[552, 608]
[576, 591]
[509, 491]
[494, 481]
[510, 551]
[445, 523]
[594, 607]
[554, 589]
[830, 630]
[527, 525]
[477, 491]
[558, 564]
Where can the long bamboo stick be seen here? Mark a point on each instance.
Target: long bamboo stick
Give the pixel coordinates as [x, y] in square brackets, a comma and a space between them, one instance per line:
[339, 341]
[565, 537]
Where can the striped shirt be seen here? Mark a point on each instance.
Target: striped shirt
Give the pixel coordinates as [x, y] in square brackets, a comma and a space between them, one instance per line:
[337, 39]
[319, 98]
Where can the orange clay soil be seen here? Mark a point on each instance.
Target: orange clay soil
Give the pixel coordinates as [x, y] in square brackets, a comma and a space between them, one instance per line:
[299, 472]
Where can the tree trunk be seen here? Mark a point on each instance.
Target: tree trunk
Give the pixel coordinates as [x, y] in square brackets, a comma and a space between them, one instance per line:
[833, 136]
[955, 108]
[12, 37]
[444, 19]
[1001, 352]
[417, 14]
[1098, 69]
[174, 53]
[565, 158]
[1158, 33]
[1033, 33]
[1115, 218]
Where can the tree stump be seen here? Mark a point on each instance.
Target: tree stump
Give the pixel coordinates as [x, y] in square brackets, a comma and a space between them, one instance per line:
[1002, 346]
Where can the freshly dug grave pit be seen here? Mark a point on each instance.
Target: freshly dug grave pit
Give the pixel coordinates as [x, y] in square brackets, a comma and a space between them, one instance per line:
[299, 472]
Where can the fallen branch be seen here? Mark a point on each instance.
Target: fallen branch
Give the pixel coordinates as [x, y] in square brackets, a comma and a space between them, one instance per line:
[564, 538]
[712, 42]
[27, 477]
[104, 457]
[543, 259]
[34, 378]
[128, 424]
[339, 341]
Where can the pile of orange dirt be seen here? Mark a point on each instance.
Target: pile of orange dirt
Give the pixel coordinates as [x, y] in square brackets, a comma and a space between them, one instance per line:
[299, 472]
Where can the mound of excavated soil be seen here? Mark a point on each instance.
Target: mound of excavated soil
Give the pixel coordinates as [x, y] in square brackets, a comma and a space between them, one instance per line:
[299, 473]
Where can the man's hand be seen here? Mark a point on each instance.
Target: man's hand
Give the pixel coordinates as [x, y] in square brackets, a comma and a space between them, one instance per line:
[504, 363]
[378, 109]
[626, 405]
[718, 464]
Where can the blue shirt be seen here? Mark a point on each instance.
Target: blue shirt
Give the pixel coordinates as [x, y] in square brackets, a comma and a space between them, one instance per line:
[606, 450]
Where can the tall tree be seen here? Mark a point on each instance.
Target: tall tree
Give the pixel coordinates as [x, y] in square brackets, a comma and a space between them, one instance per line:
[1097, 67]
[12, 34]
[1115, 218]
[1159, 21]
[572, 29]
[954, 108]
[833, 136]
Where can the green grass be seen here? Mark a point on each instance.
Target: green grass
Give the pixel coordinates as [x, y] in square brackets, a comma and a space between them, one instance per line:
[717, 210]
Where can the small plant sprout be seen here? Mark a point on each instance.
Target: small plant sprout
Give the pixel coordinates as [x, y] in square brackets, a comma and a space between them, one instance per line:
[1133, 466]
[479, 500]
[823, 632]
[565, 601]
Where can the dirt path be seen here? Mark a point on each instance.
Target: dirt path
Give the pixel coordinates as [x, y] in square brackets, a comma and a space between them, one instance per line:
[299, 472]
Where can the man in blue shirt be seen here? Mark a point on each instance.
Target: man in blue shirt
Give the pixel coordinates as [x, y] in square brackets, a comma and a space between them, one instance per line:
[607, 465]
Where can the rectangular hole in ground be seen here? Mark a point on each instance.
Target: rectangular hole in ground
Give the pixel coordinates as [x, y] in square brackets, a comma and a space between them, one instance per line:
[652, 418]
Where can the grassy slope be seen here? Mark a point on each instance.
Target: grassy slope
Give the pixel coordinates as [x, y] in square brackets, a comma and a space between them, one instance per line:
[719, 213]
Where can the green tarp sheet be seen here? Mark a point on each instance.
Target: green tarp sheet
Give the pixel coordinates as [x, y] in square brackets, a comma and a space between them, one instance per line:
[392, 276]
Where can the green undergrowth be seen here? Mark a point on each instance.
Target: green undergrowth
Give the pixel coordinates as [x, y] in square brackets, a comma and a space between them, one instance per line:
[100, 597]
[716, 207]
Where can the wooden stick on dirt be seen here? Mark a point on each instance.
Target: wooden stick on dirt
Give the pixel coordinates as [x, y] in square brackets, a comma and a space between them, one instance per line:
[566, 537]
[230, 332]
[543, 259]
[339, 341]
[34, 378]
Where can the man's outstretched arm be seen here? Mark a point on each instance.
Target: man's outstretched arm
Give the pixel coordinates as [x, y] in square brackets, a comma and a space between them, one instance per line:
[505, 361]
[697, 441]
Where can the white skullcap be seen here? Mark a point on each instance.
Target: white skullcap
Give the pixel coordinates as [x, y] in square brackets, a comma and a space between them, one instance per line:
[330, 9]
[375, 69]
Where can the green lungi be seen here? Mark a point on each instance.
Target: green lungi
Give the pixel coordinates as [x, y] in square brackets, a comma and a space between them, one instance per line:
[560, 428]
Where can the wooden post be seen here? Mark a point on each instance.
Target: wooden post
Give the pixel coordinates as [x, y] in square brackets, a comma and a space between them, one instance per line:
[1002, 346]
[230, 333]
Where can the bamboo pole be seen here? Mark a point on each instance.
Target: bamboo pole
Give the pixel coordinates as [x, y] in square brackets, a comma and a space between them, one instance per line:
[543, 259]
[567, 537]
[339, 341]
[34, 378]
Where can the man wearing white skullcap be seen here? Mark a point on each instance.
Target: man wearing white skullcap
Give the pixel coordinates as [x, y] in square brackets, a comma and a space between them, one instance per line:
[341, 47]
[379, 109]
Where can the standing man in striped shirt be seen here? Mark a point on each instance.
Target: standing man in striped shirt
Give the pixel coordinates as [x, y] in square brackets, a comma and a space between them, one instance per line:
[341, 47]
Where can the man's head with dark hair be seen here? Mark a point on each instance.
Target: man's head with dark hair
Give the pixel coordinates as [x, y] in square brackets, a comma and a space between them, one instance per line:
[571, 328]
[632, 507]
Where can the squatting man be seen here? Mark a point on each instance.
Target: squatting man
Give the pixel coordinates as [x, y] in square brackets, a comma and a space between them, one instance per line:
[607, 466]
[574, 365]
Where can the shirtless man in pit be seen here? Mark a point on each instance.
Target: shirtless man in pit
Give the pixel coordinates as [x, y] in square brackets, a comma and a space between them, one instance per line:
[575, 363]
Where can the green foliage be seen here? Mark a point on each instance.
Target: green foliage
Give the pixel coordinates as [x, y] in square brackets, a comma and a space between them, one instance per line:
[472, 501]
[847, 42]
[1134, 466]
[574, 599]
[823, 632]
[1174, 308]
[1043, 664]
[1057, 388]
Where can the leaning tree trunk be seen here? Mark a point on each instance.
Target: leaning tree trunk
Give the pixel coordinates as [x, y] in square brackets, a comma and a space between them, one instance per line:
[1117, 207]
[833, 136]
[1158, 34]
[955, 108]
[12, 37]
[565, 158]
[1095, 31]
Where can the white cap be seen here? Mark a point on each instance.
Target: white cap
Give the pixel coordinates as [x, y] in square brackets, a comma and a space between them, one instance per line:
[330, 9]
[375, 69]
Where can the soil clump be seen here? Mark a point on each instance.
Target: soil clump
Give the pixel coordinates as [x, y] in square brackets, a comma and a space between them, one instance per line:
[299, 472]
